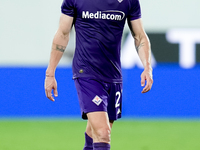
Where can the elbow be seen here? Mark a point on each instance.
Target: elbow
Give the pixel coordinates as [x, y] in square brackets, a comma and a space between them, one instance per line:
[64, 35]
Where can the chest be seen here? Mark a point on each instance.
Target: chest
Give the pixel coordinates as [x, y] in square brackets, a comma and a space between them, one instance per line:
[113, 10]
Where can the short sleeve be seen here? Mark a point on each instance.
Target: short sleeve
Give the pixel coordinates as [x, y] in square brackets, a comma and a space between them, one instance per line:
[67, 7]
[135, 10]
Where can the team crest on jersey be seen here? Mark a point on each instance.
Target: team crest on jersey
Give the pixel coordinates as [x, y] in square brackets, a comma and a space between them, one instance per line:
[97, 100]
[120, 1]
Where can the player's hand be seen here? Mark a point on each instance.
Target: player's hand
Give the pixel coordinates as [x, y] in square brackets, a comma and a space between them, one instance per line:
[147, 77]
[49, 85]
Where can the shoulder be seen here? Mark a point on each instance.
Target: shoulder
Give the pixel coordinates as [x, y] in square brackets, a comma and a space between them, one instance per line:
[69, 3]
[134, 2]
[68, 7]
[134, 10]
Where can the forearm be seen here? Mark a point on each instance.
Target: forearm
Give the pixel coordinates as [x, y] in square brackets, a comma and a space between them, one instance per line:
[144, 51]
[143, 48]
[59, 44]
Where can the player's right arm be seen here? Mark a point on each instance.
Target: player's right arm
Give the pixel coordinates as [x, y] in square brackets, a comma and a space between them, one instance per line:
[59, 45]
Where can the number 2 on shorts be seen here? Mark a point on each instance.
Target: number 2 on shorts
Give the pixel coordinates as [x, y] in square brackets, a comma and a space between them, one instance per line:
[118, 95]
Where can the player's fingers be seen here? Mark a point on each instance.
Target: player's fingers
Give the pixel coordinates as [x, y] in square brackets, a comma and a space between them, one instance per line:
[49, 95]
[148, 85]
[49, 86]
[145, 89]
[142, 80]
[51, 98]
[55, 92]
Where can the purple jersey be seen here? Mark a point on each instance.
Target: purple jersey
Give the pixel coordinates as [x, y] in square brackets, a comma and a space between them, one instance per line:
[99, 26]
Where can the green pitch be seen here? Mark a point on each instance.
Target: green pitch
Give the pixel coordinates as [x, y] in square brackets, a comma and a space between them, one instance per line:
[126, 135]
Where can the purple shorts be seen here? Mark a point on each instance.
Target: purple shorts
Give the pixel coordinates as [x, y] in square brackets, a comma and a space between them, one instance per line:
[97, 95]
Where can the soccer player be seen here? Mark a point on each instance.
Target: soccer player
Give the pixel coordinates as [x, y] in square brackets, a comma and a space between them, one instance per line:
[96, 63]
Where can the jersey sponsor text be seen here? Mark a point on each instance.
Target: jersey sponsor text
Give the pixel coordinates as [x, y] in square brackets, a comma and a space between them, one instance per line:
[108, 15]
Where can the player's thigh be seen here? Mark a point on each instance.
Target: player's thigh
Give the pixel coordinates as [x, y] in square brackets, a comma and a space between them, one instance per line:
[98, 120]
[111, 123]
[89, 127]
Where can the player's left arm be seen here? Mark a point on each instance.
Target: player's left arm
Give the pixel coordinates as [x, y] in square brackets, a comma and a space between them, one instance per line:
[143, 48]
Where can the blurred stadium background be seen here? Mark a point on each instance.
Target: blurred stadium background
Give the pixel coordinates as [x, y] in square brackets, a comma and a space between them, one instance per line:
[170, 111]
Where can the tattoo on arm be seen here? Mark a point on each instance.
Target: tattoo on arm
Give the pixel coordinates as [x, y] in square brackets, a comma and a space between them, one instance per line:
[138, 47]
[60, 48]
